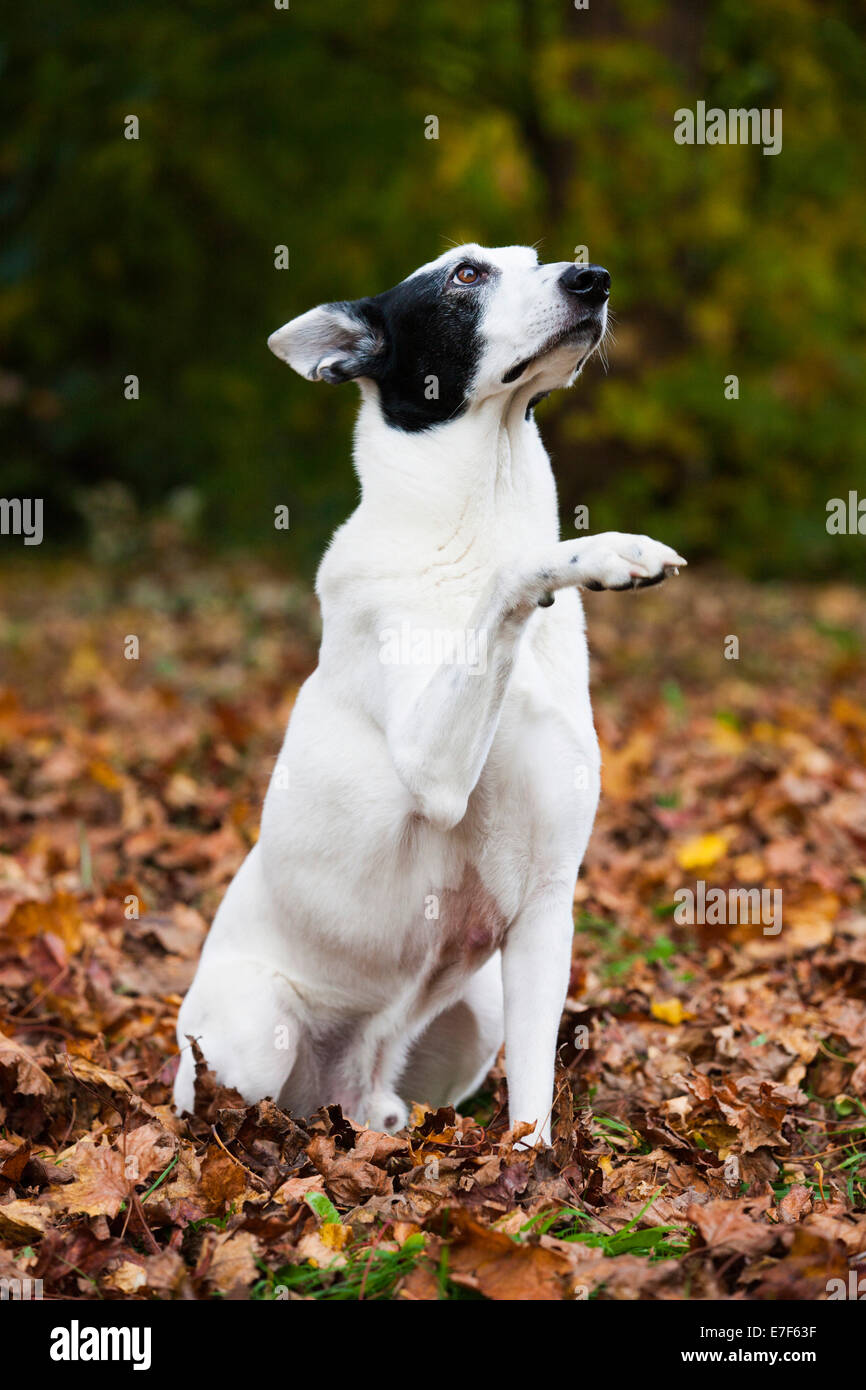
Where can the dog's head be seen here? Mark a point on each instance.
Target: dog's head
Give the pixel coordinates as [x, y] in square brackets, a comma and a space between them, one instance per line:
[473, 324]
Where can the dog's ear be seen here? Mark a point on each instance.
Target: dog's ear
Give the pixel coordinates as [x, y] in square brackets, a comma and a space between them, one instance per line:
[336, 342]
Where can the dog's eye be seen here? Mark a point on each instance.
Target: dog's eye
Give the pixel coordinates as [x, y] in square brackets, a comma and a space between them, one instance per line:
[466, 275]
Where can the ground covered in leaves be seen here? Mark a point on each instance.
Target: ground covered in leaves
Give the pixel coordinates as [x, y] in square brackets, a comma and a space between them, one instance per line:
[710, 1127]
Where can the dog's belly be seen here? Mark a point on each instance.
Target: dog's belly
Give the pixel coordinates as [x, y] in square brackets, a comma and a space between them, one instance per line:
[397, 930]
[468, 927]
[425, 974]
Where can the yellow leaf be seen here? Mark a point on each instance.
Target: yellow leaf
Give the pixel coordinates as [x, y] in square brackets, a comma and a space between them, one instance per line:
[845, 711]
[334, 1234]
[60, 916]
[764, 732]
[313, 1249]
[105, 775]
[84, 668]
[702, 852]
[669, 1011]
[727, 740]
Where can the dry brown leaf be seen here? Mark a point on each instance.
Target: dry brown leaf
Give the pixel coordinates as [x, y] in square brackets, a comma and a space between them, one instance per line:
[30, 1079]
[728, 1228]
[106, 1173]
[233, 1263]
[21, 1221]
[503, 1269]
[796, 1203]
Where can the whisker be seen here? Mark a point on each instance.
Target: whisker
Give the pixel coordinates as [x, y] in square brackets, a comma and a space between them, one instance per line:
[607, 337]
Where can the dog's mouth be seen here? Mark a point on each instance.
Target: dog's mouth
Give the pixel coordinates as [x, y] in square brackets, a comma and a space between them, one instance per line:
[586, 334]
[588, 331]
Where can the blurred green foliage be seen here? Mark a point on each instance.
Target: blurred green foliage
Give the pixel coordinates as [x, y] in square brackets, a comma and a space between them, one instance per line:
[306, 127]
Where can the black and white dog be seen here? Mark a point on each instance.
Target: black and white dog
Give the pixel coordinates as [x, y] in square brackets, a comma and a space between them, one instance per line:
[409, 902]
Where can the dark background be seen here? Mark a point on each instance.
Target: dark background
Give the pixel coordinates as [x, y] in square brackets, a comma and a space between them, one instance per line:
[305, 127]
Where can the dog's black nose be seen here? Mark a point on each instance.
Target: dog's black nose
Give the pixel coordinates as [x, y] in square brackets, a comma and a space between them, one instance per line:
[591, 282]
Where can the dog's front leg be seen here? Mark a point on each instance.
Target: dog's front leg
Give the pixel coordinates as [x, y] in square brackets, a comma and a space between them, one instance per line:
[536, 964]
[440, 727]
[440, 734]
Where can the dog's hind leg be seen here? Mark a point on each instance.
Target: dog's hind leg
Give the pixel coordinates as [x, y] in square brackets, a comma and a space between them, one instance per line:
[454, 1053]
[244, 1016]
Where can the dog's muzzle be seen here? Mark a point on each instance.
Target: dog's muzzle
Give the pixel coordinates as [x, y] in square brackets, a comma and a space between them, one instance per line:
[590, 284]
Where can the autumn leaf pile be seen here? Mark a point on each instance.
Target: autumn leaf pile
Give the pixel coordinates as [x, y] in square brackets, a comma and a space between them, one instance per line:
[709, 1123]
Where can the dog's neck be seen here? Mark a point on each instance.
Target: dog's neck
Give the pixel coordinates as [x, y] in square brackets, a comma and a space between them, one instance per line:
[483, 477]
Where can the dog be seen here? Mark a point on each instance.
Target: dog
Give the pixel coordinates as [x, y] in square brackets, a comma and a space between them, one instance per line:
[408, 904]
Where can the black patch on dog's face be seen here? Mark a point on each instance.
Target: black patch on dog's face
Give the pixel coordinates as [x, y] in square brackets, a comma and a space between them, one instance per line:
[431, 346]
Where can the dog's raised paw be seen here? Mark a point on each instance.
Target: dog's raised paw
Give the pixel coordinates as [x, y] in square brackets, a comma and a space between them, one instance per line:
[620, 561]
